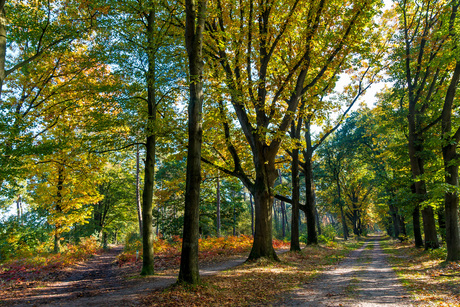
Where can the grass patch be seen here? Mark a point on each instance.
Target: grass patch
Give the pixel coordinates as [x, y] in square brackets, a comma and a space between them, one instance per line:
[430, 280]
[259, 283]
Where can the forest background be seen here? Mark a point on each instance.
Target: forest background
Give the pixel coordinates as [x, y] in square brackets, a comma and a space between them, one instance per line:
[104, 108]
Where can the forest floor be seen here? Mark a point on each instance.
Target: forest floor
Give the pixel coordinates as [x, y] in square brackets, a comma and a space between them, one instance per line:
[100, 281]
[318, 276]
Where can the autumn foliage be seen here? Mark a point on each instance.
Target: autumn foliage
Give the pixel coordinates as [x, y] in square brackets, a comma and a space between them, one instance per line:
[44, 266]
[167, 252]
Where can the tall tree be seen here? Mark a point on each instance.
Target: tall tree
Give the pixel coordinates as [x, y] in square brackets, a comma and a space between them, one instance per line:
[266, 73]
[450, 143]
[143, 52]
[194, 27]
[421, 77]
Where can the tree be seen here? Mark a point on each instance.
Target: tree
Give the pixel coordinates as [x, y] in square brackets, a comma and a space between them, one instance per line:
[144, 52]
[31, 34]
[194, 27]
[421, 76]
[264, 81]
[65, 181]
[449, 146]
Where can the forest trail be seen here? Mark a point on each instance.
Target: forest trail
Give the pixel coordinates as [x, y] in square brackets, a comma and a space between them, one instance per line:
[98, 282]
[364, 278]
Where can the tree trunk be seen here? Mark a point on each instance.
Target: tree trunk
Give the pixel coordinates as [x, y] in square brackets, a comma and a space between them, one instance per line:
[252, 213]
[402, 225]
[275, 217]
[309, 208]
[194, 27]
[416, 225]
[429, 223]
[138, 194]
[394, 217]
[295, 244]
[344, 222]
[451, 166]
[429, 226]
[218, 207]
[264, 184]
[149, 172]
[416, 119]
[263, 198]
[451, 205]
[104, 239]
[234, 220]
[441, 214]
[318, 222]
[283, 210]
[284, 218]
[19, 209]
[3, 23]
[58, 208]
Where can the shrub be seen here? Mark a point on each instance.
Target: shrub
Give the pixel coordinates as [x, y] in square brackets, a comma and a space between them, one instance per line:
[329, 232]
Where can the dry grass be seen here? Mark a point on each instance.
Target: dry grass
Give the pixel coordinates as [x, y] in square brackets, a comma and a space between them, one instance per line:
[257, 283]
[431, 281]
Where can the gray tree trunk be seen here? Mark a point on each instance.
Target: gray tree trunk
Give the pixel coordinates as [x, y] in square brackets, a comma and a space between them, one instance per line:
[149, 172]
[218, 207]
[194, 26]
[138, 194]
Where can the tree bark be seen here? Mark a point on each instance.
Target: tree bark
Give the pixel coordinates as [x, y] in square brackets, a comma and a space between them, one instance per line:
[441, 214]
[394, 217]
[3, 23]
[19, 209]
[318, 221]
[58, 208]
[234, 220]
[309, 208]
[138, 194]
[283, 210]
[416, 225]
[450, 143]
[252, 213]
[276, 219]
[195, 17]
[342, 214]
[283, 218]
[263, 197]
[402, 225]
[218, 207]
[295, 244]
[149, 172]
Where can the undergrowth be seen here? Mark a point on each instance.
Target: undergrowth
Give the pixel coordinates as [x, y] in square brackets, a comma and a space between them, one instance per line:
[42, 265]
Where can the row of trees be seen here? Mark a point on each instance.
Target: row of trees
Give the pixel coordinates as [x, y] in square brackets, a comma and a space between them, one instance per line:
[82, 82]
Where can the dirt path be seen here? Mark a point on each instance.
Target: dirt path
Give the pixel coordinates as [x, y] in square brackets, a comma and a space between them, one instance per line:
[99, 282]
[362, 279]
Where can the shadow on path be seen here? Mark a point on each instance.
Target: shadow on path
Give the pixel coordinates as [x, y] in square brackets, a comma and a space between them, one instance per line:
[97, 283]
[364, 278]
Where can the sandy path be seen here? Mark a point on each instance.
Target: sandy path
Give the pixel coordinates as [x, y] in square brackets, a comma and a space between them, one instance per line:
[362, 279]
